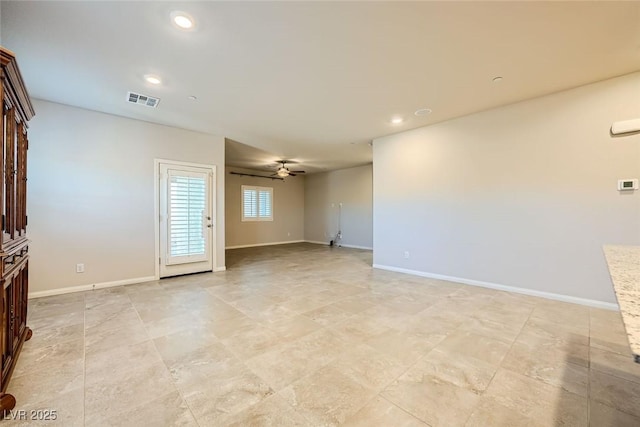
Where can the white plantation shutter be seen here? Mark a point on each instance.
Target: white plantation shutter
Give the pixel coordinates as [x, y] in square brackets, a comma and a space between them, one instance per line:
[257, 203]
[264, 204]
[249, 203]
[187, 219]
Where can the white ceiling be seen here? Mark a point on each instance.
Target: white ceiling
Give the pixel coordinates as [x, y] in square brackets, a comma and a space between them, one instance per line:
[315, 81]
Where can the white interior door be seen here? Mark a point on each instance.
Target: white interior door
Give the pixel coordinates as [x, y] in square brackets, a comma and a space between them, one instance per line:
[186, 219]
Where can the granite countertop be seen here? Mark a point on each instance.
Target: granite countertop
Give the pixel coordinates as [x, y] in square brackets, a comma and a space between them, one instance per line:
[624, 267]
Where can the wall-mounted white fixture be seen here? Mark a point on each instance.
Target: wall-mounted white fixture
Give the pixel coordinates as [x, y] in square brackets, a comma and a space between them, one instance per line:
[627, 184]
[625, 126]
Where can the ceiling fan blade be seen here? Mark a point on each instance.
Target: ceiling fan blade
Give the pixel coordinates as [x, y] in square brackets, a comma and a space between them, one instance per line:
[291, 174]
[298, 171]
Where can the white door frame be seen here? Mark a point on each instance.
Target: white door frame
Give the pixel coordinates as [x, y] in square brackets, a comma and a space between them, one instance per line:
[156, 209]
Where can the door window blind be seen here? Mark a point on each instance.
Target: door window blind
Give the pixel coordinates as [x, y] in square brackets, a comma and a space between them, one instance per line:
[187, 200]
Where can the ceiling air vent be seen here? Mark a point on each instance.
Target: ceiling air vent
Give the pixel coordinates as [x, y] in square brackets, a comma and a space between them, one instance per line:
[137, 98]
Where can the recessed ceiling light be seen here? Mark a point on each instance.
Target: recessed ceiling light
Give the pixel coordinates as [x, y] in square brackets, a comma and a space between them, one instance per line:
[497, 79]
[154, 80]
[182, 20]
[397, 120]
[423, 112]
[192, 98]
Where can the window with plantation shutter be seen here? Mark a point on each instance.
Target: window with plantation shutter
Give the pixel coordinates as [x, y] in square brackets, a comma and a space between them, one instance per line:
[249, 203]
[257, 203]
[264, 203]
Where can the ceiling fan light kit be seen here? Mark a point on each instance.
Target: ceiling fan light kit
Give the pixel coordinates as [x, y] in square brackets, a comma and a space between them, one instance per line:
[283, 171]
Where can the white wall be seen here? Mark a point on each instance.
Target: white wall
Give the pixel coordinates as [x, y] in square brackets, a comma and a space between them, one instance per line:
[288, 210]
[324, 192]
[523, 195]
[91, 193]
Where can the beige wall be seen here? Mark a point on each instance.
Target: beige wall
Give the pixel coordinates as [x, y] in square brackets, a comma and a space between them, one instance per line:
[523, 195]
[288, 210]
[324, 192]
[91, 194]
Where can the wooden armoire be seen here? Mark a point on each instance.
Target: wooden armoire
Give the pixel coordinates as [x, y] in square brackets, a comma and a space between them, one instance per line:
[17, 110]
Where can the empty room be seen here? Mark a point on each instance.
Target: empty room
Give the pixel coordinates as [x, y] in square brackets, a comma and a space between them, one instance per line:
[320, 213]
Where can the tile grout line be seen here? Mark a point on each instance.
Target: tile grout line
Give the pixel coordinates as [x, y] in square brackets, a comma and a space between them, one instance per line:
[481, 394]
[566, 361]
[505, 355]
[402, 409]
[411, 365]
[242, 361]
[178, 390]
[163, 362]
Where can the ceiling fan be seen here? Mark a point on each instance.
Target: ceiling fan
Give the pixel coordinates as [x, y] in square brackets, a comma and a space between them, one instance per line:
[283, 170]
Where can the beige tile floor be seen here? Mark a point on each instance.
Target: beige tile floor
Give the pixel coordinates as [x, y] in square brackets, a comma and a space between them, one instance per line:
[306, 335]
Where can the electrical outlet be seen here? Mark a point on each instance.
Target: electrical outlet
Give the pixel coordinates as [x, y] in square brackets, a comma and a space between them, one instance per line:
[288, 234]
[79, 268]
[406, 254]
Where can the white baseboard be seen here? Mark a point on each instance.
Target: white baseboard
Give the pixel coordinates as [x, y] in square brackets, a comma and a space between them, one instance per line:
[315, 242]
[223, 268]
[60, 291]
[255, 245]
[366, 248]
[531, 292]
[91, 287]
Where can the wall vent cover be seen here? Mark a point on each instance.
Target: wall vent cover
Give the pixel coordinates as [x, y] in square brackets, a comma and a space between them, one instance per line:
[137, 98]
